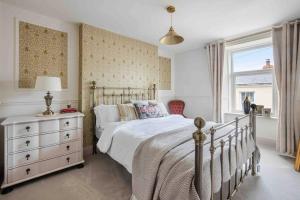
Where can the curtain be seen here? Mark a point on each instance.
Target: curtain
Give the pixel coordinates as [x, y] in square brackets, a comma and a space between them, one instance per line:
[286, 51]
[215, 53]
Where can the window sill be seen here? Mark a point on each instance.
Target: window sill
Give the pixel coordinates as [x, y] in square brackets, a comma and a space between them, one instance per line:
[241, 114]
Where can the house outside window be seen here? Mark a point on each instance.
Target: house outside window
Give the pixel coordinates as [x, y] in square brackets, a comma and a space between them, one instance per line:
[249, 94]
[251, 74]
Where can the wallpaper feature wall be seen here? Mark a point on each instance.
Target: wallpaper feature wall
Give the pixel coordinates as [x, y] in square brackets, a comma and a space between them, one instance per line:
[112, 60]
[42, 52]
[164, 73]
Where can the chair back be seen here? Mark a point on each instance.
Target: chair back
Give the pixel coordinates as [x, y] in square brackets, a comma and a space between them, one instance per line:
[176, 107]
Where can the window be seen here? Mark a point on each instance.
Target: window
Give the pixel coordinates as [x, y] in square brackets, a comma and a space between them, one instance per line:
[251, 75]
[250, 96]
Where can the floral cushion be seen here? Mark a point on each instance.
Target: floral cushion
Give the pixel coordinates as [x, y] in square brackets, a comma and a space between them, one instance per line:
[146, 110]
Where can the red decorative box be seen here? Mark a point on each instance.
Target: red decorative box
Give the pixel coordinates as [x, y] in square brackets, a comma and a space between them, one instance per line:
[68, 110]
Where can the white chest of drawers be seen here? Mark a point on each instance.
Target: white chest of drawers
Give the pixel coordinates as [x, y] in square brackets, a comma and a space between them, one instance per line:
[36, 146]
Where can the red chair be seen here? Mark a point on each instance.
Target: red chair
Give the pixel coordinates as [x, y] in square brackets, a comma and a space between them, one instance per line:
[176, 107]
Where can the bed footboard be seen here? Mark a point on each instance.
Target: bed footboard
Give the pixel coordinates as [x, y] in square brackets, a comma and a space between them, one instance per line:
[232, 139]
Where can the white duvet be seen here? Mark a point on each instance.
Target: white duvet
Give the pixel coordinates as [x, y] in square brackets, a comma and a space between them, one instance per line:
[120, 139]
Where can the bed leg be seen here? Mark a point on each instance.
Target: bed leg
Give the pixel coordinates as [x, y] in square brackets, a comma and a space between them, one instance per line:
[94, 145]
[236, 153]
[199, 138]
[222, 168]
[229, 184]
[242, 145]
[212, 151]
[253, 123]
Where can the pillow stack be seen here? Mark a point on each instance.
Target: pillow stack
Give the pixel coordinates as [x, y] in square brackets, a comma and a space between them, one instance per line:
[130, 111]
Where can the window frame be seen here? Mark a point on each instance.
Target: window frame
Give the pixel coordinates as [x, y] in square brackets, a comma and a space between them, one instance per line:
[230, 50]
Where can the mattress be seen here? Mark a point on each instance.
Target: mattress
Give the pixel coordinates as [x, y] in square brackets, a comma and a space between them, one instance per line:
[120, 139]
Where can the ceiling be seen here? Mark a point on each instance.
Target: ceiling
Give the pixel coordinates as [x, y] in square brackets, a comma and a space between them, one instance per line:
[198, 21]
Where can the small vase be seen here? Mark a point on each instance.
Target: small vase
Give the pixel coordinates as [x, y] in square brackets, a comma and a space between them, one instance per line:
[246, 105]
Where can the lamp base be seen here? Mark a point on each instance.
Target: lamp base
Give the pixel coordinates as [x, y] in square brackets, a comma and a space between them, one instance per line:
[48, 99]
[48, 112]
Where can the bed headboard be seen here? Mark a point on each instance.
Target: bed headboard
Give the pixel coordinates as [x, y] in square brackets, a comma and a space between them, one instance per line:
[116, 95]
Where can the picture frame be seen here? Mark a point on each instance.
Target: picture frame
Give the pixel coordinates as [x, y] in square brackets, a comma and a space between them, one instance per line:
[267, 112]
[260, 109]
[17, 64]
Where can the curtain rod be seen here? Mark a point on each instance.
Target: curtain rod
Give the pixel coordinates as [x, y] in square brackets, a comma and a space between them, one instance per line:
[269, 30]
[245, 36]
[250, 35]
[297, 21]
[265, 31]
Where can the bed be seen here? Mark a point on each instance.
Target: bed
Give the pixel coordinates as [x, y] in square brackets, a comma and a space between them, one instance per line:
[172, 157]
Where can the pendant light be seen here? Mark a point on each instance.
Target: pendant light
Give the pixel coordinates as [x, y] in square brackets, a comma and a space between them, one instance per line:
[171, 37]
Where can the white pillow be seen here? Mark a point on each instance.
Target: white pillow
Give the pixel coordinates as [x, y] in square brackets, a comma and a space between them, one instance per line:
[146, 102]
[162, 107]
[105, 114]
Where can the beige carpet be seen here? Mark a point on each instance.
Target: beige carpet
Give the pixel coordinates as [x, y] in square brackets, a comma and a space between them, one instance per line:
[104, 179]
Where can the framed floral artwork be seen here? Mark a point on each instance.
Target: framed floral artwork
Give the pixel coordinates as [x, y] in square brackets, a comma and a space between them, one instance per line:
[41, 51]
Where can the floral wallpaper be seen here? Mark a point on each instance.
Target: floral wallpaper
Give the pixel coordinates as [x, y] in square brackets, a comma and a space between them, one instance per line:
[164, 73]
[112, 60]
[42, 52]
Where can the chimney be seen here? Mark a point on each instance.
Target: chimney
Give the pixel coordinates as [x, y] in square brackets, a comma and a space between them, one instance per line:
[268, 64]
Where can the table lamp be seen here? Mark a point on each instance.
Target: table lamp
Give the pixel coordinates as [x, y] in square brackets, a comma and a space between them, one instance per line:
[48, 84]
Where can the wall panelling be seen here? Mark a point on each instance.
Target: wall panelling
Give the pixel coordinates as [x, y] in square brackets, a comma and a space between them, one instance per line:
[164, 73]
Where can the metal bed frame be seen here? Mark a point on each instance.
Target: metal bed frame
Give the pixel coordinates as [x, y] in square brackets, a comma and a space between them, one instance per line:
[114, 95]
[200, 137]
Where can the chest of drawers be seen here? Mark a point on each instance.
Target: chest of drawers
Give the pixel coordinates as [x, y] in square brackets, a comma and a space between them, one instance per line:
[36, 146]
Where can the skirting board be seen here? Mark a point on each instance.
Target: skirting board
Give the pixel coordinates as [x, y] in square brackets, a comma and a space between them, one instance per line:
[266, 142]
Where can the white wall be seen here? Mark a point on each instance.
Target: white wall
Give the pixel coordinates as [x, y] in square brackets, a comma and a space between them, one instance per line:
[192, 83]
[15, 101]
[266, 127]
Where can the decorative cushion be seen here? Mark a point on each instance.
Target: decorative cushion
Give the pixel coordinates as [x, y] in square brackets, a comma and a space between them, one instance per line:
[163, 110]
[147, 110]
[127, 112]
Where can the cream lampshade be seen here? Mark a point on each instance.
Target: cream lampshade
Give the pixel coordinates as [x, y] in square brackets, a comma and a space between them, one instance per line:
[48, 84]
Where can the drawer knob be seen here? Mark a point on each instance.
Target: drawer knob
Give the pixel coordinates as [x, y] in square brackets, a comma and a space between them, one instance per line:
[67, 123]
[68, 159]
[27, 171]
[27, 128]
[68, 147]
[27, 142]
[68, 135]
[27, 156]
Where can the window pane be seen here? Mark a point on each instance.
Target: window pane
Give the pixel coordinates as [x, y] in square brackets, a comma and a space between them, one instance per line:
[258, 88]
[250, 96]
[253, 59]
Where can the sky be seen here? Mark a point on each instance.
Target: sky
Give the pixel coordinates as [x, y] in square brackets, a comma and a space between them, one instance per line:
[253, 59]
